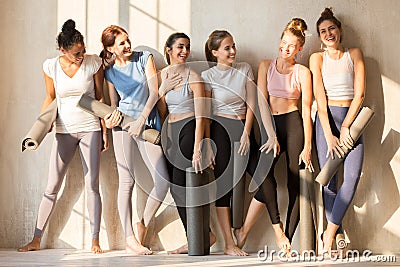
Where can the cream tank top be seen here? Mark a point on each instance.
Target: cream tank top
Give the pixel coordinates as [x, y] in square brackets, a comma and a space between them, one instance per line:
[338, 77]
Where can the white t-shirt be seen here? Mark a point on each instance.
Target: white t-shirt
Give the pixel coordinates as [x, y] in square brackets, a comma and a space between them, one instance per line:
[72, 119]
[228, 88]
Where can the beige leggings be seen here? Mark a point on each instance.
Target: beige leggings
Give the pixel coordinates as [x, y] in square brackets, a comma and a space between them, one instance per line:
[155, 161]
[64, 147]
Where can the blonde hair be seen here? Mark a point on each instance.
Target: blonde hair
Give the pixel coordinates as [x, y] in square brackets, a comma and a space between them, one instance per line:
[297, 27]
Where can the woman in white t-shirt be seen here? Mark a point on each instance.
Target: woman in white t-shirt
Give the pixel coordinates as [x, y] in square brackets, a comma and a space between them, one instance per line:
[67, 77]
[232, 89]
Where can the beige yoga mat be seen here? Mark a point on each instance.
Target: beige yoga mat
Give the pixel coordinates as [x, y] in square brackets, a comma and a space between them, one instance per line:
[307, 222]
[100, 109]
[40, 127]
[356, 129]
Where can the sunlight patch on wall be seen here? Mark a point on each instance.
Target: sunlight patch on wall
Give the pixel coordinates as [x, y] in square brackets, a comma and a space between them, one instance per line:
[391, 95]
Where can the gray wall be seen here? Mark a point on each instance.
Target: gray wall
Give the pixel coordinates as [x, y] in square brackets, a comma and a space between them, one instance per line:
[29, 28]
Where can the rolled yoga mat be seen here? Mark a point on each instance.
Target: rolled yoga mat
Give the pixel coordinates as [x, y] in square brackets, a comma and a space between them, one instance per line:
[40, 127]
[356, 129]
[307, 224]
[239, 184]
[197, 212]
[100, 109]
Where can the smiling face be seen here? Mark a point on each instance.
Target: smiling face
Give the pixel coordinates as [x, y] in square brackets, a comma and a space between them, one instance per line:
[122, 46]
[329, 33]
[226, 53]
[289, 45]
[76, 53]
[179, 51]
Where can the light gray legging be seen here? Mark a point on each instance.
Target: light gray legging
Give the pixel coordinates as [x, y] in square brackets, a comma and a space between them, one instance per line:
[63, 150]
[154, 159]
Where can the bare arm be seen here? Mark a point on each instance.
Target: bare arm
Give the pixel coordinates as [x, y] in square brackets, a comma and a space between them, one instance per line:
[152, 81]
[98, 78]
[322, 104]
[265, 112]
[359, 86]
[198, 93]
[50, 92]
[306, 97]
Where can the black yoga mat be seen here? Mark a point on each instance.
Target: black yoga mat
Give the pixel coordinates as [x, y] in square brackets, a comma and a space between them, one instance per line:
[40, 127]
[239, 183]
[198, 213]
[356, 129]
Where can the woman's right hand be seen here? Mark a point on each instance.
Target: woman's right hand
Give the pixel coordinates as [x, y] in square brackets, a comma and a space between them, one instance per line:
[169, 82]
[272, 143]
[113, 119]
[334, 147]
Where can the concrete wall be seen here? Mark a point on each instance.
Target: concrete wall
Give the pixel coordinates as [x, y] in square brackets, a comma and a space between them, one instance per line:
[29, 28]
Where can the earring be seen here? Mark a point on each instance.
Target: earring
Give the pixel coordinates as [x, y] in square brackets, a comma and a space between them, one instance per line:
[322, 46]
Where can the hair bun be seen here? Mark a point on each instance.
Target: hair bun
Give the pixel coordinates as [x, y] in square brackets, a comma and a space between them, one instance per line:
[327, 12]
[69, 26]
[297, 24]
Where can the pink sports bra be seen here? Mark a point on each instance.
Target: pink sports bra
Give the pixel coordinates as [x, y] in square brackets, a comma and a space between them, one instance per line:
[283, 85]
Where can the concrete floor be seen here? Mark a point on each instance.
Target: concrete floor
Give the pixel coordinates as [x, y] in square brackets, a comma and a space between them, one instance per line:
[71, 257]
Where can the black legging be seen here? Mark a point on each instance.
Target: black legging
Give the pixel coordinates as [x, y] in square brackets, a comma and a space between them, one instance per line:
[224, 132]
[179, 152]
[289, 130]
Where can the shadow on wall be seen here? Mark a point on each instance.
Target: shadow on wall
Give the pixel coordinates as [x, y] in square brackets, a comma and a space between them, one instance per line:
[377, 192]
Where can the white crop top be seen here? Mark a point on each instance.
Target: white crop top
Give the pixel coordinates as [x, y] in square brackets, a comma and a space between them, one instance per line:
[338, 77]
[228, 88]
[72, 119]
[180, 101]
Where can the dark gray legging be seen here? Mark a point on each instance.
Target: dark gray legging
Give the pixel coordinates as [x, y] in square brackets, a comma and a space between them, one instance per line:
[64, 147]
[290, 133]
[337, 202]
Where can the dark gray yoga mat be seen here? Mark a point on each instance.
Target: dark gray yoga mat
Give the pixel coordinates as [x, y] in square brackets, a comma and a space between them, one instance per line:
[356, 129]
[197, 211]
[307, 227]
[100, 109]
[40, 127]
[239, 183]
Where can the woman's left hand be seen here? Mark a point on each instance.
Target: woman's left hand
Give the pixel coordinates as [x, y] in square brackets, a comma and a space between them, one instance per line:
[305, 156]
[135, 128]
[345, 138]
[106, 142]
[244, 144]
[197, 162]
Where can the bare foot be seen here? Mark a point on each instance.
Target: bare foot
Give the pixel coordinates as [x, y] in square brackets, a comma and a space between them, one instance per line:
[240, 236]
[182, 250]
[133, 247]
[341, 246]
[327, 241]
[31, 246]
[141, 231]
[96, 249]
[281, 240]
[213, 239]
[234, 251]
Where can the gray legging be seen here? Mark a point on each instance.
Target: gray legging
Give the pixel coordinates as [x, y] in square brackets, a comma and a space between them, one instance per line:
[337, 202]
[154, 159]
[63, 150]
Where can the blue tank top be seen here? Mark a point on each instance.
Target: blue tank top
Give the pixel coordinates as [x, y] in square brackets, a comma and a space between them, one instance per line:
[130, 82]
